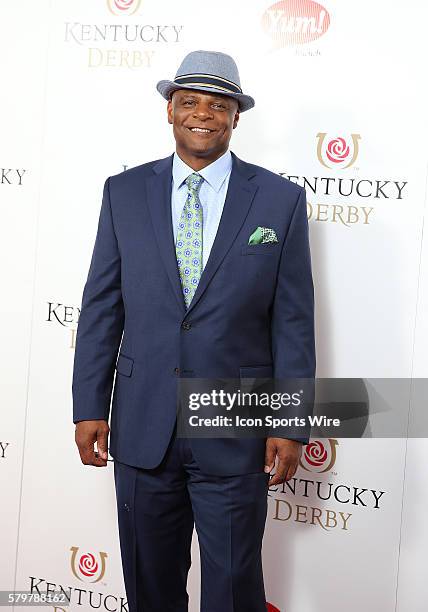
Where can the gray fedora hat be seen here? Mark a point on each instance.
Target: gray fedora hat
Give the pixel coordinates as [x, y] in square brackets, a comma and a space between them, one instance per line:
[208, 71]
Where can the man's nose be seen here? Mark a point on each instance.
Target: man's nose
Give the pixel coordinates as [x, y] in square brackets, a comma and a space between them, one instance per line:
[203, 112]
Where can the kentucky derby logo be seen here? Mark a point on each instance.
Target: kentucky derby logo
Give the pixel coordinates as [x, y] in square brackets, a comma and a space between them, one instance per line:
[123, 7]
[319, 455]
[295, 23]
[337, 152]
[86, 566]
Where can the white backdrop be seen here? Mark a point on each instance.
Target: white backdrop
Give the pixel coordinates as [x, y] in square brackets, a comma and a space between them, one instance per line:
[340, 108]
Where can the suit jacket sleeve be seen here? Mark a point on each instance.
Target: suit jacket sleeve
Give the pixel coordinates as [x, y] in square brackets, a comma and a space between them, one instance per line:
[100, 323]
[292, 325]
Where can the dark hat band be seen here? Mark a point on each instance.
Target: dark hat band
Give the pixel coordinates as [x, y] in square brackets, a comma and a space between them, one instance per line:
[208, 80]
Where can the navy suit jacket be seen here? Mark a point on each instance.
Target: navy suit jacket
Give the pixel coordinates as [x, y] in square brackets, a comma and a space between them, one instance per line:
[252, 314]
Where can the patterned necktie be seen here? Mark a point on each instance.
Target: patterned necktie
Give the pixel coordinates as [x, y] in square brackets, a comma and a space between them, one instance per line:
[188, 246]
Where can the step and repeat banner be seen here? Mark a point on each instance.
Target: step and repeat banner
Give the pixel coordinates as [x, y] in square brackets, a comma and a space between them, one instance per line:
[341, 109]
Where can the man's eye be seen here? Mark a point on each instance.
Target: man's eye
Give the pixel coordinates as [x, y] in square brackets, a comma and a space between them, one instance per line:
[218, 105]
[187, 102]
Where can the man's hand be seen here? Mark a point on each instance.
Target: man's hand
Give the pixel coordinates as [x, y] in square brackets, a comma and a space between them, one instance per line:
[289, 452]
[87, 433]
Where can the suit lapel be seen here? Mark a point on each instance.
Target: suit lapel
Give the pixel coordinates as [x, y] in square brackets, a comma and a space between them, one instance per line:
[240, 194]
[159, 187]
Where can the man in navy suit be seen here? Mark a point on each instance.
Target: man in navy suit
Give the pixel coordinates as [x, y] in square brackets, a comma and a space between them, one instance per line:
[178, 289]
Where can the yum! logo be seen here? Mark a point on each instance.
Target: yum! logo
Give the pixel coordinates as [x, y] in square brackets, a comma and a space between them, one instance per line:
[337, 152]
[319, 455]
[295, 22]
[85, 566]
[123, 7]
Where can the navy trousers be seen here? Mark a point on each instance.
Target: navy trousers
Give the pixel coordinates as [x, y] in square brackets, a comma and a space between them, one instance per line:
[157, 509]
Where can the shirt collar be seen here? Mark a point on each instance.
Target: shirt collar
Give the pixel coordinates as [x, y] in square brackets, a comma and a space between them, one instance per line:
[215, 173]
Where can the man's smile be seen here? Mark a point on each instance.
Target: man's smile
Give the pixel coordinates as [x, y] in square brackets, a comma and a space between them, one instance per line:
[200, 130]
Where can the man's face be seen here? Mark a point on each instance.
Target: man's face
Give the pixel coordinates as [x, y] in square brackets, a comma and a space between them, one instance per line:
[215, 115]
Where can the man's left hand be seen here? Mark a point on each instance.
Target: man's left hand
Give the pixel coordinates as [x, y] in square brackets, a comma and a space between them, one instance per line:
[289, 452]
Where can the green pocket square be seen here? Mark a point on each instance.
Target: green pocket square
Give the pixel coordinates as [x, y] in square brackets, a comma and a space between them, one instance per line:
[262, 235]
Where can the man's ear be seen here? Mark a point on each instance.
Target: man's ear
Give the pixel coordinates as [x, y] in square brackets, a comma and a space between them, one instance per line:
[236, 119]
[169, 110]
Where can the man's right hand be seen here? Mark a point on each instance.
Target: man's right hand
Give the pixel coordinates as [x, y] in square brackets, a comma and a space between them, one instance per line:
[87, 433]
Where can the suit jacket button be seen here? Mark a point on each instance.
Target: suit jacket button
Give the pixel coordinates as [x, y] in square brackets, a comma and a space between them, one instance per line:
[186, 325]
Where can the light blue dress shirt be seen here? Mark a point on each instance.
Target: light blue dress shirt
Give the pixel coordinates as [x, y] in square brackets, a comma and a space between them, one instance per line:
[212, 196]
